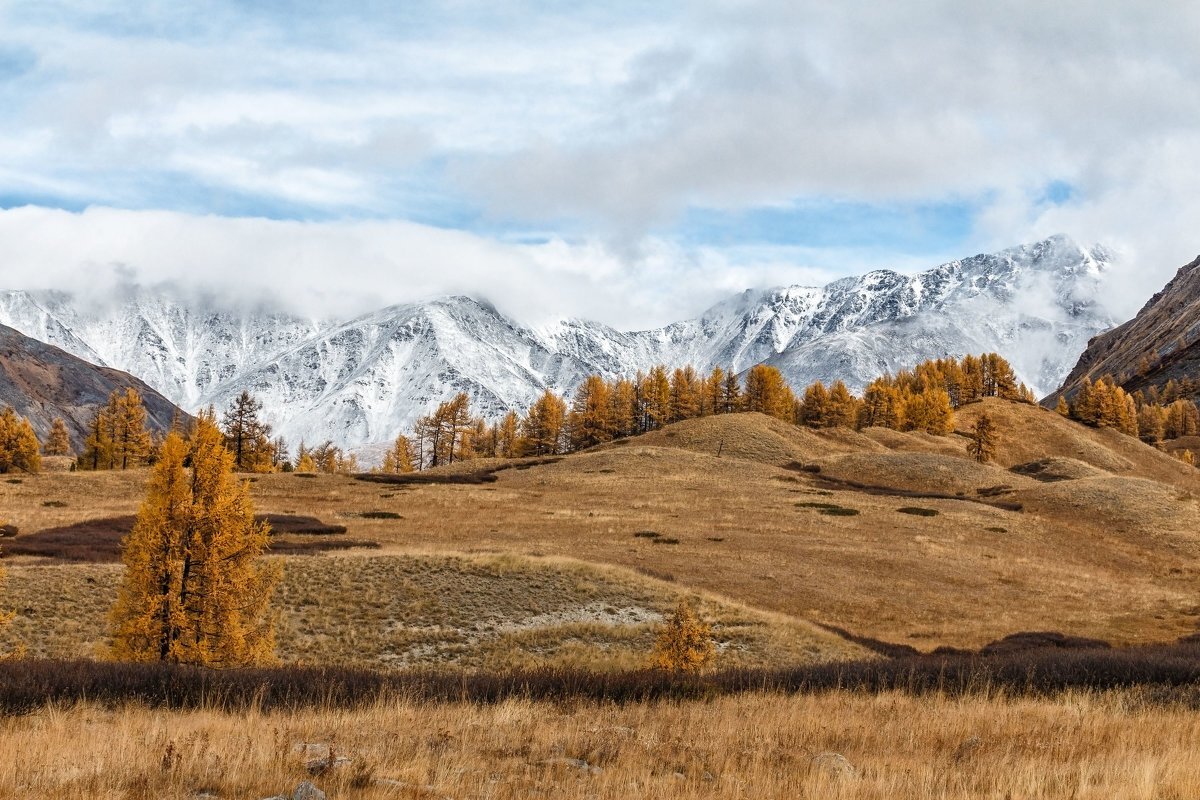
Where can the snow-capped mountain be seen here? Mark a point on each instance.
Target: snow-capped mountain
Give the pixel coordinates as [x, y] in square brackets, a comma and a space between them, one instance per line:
[362, 380]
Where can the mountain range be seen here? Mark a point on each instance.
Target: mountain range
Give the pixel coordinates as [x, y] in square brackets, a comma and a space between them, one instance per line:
[362, 380]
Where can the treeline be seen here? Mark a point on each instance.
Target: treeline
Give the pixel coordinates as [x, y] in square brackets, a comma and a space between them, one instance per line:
[1154, 415]
[600, 410]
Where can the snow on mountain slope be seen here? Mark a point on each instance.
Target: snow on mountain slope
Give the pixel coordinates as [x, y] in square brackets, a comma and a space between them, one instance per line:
[363, 380]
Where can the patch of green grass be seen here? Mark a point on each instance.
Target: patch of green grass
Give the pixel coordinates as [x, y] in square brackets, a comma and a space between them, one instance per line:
[917, 511]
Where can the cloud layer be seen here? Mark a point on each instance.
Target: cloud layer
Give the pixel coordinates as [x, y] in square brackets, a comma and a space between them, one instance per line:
[566, 155]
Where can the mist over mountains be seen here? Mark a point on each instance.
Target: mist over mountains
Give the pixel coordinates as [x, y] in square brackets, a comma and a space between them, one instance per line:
[362, 380]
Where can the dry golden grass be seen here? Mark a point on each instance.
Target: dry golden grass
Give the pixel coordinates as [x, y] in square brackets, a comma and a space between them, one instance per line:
[1116, 558]
[1029, 433]
[849, 747]
[488, 612]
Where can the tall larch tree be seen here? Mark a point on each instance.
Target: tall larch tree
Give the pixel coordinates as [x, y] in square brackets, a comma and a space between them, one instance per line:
[58, 443]
[767, 392]
[656, 398]
[590, 420]
[622, 398]
[97, 447]
[982, 442]
[508, 434]
[130, 439]
[882, 406]
[843, 406]
[732, 399]
[19, 447]
[815, 407]
[543, 427]
[686, 392]
[399, 457]
[196, 589]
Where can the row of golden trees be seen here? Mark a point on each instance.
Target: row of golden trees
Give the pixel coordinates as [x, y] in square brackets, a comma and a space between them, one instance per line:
[1152, 416]
[601, 410]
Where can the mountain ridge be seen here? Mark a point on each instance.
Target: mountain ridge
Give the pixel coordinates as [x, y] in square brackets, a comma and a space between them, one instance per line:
[1161, 343]
[41, 382]
[362, 380]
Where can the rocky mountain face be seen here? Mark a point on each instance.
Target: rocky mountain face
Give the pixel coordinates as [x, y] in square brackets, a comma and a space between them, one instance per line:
[362, 380]
[42, 382]
[1160, 344]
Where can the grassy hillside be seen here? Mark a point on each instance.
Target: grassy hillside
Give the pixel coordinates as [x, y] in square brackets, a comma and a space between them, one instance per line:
[889, 535]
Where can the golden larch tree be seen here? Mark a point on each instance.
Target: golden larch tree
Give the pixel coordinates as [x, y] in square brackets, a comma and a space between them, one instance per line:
[97, 447]
[685, 642]
[126, 417]
[195, 588]
[656, 398]
[399, 457]
[19, 447]
[590, 421]
[768, 392]
[58, 443]
[543, 427]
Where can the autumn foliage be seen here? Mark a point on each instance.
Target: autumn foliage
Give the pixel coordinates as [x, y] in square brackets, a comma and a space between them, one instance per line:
[1155, 415]
[117, 436]
[602, 410]
[685, 643]
[58, 443]
[18, 444]
[195, 589]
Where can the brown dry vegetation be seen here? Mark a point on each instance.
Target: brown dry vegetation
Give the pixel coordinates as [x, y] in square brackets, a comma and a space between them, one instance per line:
[1111, 555]
[489, 612]
[835, 745]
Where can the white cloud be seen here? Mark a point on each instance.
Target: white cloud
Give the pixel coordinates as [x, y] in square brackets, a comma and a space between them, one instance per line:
[340, 268]
[600, 124]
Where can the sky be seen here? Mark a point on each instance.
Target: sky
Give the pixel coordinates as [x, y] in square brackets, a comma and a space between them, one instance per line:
[626, 162]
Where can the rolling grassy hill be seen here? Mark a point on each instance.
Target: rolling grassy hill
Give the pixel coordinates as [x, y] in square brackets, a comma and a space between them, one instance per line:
[888, 535]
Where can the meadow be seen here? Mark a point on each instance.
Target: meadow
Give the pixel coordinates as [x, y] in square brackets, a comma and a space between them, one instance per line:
[802, 548]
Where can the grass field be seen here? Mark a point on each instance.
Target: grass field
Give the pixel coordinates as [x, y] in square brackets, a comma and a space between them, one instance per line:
[1116, 746]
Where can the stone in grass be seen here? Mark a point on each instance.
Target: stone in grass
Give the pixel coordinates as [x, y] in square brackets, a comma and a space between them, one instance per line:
[306, 791]
[834, 765]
